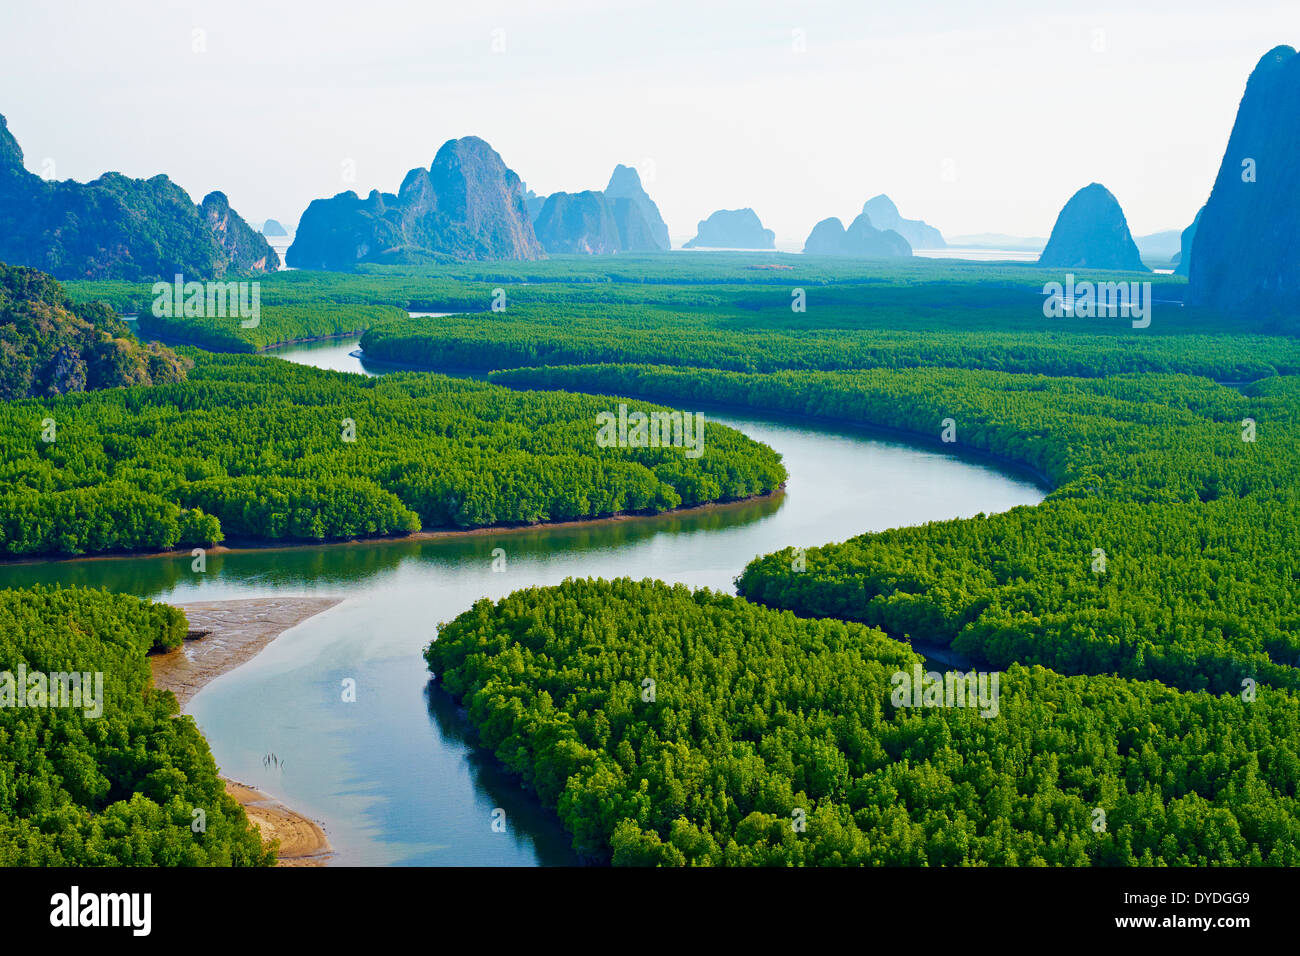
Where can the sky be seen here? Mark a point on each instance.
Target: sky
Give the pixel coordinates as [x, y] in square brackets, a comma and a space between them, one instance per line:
[974, 115]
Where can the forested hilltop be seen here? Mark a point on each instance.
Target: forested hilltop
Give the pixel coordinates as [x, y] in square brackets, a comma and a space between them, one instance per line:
[117, 227]
[49, 346]
[671, 727]
[264, 450]
[121, 788]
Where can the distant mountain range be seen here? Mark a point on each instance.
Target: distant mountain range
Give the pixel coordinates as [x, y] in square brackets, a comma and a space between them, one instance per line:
[466, 205]
[1242, 252]
[1159, 246]
[117, 227]
[53, 347]
[591, 223]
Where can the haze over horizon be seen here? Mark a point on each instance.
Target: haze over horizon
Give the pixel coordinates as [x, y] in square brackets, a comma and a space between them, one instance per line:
[981, 120]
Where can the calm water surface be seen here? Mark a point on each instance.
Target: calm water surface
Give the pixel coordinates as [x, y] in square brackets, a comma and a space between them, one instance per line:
[393, 776]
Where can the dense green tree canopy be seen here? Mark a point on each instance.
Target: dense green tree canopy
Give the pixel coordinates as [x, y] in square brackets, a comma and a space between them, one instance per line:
[49, 346]
[1198, 526]
[255, 448]
[759, 719]
[120, 788]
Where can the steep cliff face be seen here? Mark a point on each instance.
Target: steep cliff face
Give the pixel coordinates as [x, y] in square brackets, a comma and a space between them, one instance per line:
[11, 154]
[1246, 258]
[591, 223]
[119, 228]
[860, 241]
[480, 211]
[635, 232]
[1091, 232]
[533, 203]
[884, 215]
[732, 229]
[467, 205]
[625, 183]
[246, 248]
[1185, 244]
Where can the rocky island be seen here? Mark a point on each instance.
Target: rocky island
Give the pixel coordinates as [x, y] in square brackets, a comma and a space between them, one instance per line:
[467, 205]
[1091, 232]
[732, 229]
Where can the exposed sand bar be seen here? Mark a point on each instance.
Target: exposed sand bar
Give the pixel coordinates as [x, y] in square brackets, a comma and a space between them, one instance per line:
[223, 635]
[302, 841]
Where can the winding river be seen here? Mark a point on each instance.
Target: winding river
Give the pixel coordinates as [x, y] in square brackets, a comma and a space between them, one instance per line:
[392, 775]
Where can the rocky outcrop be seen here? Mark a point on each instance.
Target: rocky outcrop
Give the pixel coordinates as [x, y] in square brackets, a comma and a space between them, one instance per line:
[884, 215]
[273, 228]
[117, 227]
[578, 223]
[1183, 261]
[49, 346]
[1246, 257]
[466, 205]
[534, 204]
[732, 229]
[590, 223]
[247, 248]
[1091, 232]
[11, 154]
[860, 241]
[625, 183]
[635, 233]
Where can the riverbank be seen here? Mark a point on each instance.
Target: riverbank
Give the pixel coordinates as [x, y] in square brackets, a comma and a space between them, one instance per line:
[170, 339]
[402, 784]
[302, 841]
[248, 545]
[223, 635]
[931, 442]
[871, 429]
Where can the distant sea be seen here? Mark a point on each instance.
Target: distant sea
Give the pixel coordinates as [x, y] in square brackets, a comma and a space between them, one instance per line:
[979, 254]
[281, 245]
[975, 253]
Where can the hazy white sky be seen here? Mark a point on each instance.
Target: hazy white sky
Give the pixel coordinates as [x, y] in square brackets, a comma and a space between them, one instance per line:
[975, 115]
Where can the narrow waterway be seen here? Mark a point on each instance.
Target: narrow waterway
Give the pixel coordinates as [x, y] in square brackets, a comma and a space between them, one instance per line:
[393, 775]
